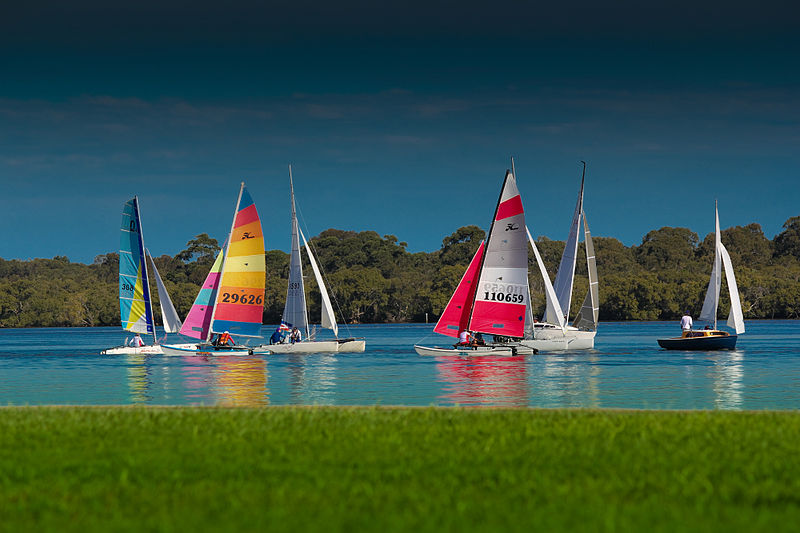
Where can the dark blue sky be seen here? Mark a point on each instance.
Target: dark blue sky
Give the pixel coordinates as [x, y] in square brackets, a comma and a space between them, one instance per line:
[399, 119]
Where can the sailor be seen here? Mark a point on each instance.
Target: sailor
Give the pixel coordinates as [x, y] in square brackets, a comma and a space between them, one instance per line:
[225, 339]
[296, 336]
[464, 338]
[137, 341]
[477, 340]
[277, 336]
[686, 321]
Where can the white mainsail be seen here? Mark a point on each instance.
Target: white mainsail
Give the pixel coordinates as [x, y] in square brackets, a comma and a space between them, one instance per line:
[550, 293]
[172, 322]
[711, 302]
[294, 312]
[328, 319]
[566, 269]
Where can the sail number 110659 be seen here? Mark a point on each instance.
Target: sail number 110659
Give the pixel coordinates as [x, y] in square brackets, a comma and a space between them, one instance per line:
[503, 297]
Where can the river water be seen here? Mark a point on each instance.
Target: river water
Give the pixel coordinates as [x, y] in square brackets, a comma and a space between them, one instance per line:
[626, 370]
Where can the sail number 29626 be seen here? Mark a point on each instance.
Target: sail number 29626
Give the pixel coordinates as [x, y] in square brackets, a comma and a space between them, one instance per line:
[233, 298]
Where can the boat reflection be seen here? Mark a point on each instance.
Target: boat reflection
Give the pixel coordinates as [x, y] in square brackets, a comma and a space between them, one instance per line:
[728, 376]
[312, 379]
[239, 381]
[139, 380]
[565, 380]
[486, 380]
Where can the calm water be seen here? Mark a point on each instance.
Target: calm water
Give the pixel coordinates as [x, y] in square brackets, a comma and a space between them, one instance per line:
[627, 370]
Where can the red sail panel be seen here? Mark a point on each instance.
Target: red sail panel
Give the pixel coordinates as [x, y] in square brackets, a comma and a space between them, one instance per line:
[455, 316]
[497, 318]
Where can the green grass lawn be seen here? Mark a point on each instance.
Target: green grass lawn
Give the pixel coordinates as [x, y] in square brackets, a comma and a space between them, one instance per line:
[386, 469]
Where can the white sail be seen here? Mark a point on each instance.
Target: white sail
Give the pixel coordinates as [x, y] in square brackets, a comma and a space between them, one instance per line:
[588, 315]
[722, 260]
[549, 292]
[711, 302]
[735, 318]
[328, 319]
[172, 322]
[566, 269]
[294, 312]
[501, 298]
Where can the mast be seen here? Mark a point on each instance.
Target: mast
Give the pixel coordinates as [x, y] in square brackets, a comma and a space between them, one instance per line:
[224, 258]
[146, 281]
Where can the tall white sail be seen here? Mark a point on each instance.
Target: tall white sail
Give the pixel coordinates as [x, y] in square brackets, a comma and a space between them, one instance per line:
[566, 269]
[550, 294]
[294, 312]
[735, 317]
[328, 319]
[172, 322]
[722, 260]
[709, 311]
[588, 315]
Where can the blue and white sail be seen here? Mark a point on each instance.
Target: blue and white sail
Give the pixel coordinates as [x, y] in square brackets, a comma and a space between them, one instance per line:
[136, 309]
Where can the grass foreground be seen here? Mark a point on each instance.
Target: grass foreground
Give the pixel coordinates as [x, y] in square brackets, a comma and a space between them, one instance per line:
[392, 469]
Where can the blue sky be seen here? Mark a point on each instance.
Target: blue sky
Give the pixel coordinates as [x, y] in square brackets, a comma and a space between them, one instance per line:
[398, 119]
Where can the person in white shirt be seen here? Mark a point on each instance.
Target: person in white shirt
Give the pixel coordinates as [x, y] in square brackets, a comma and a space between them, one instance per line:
[296, 336]
[137, 341]
[463, 337]
[686, 321]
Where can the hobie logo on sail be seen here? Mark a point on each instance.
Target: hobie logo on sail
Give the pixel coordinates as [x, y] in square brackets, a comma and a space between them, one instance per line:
[512, 227]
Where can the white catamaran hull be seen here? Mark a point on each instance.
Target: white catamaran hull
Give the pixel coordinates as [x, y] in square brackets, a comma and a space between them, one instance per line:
[551, 338]
[352, 345]
[477, 351]
[299, 347]
[133, 350]
[205, 349]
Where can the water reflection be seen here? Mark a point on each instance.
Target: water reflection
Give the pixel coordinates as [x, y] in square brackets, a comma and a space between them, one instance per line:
[486, 380]
[728, 375]
[240, 381]
[312, 379]
[139, 381]
[566, 380]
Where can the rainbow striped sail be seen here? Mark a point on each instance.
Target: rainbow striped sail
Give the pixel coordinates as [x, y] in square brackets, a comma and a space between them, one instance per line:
[136, 311]
[198, 320]
[240, 297]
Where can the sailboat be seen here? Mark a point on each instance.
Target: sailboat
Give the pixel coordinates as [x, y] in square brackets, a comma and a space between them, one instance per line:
[492, 296]
[554, 332]
[295, 312]
[136, 306]
[231, 299]
[714, 339]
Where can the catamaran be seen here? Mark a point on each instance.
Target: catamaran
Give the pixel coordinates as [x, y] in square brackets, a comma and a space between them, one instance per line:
[231, 299]
[135, 304]
[714, 339]
[554, 332]
[295, 312]
[492, 296]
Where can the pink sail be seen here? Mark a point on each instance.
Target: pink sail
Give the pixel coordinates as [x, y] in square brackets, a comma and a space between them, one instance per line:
[198, 320]
[455, 317]
[501, 294]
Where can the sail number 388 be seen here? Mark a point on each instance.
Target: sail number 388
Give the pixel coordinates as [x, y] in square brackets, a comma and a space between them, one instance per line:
[503, 297]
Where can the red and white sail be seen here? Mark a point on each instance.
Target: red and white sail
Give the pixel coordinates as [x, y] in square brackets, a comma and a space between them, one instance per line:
[455, 317]
[502, 291]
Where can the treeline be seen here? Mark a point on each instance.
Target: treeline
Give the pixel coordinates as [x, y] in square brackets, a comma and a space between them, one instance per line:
[375, 279]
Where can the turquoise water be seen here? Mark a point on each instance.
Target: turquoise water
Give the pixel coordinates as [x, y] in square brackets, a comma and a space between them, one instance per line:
[626, 370]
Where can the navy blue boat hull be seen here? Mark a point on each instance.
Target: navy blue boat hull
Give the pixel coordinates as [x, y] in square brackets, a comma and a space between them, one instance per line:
[727, 342]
